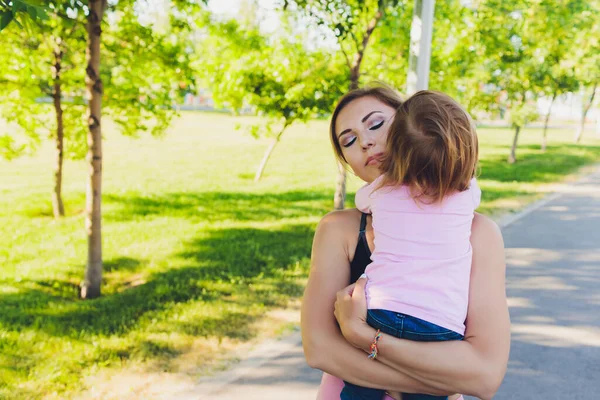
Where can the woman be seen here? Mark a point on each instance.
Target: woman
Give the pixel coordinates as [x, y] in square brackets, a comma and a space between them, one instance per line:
[474, 366]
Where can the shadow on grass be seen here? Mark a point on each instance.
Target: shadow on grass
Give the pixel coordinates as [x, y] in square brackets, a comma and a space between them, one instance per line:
[74, 204]
[234, 321]
[219, 206]
[546, 167]
[241, 267]
[122, 264]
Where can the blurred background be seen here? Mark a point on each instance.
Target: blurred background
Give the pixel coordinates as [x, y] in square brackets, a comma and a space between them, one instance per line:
[197, 133]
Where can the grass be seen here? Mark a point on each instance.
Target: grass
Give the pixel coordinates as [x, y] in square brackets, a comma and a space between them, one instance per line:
[195, 252]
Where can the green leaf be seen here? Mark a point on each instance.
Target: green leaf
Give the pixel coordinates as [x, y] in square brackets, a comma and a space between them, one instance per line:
[5, 18]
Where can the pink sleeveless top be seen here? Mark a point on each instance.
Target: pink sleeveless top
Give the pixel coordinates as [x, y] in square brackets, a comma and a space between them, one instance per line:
[331, 387]
[422, 258]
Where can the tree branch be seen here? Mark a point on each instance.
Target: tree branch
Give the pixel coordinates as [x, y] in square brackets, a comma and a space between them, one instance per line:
[345, 55]
[356, 42]
[371, 27]
[589, 105]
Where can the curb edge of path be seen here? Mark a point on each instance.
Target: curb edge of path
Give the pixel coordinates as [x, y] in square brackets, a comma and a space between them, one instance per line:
[261, 354]
[582, 176]
[272, 348]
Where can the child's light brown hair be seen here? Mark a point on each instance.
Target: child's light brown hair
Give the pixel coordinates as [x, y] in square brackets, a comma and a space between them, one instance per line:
[431, 147]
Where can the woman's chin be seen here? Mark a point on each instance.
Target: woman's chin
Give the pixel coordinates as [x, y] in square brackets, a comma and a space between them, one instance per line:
[371, 174]
[367, 173]
[368, 178]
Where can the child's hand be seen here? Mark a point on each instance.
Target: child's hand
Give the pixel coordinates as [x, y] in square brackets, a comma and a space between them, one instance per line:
[351, 314]
[395, 395]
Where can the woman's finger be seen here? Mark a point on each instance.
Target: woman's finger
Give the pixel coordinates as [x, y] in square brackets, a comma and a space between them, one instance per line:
[358, 293]
[345, 292]
[350, 289]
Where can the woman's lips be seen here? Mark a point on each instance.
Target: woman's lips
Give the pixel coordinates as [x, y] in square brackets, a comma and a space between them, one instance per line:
[374, 159]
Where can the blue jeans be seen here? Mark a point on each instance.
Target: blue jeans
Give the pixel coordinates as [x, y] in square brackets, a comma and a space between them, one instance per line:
[405, 327]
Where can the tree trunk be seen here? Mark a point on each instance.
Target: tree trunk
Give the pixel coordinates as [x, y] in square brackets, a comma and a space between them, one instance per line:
[339, 199]
[267, 155]
[512, 158]
[90, 288]
[57, 203]
[355, 75]
[585, 110]
[544, 137]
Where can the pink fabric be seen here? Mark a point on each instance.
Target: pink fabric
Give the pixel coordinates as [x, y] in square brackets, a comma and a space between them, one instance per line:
[331, 387]
[422, 259]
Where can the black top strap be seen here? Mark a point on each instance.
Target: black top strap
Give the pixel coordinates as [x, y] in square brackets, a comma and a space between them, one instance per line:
[363, 222]
[362, 254]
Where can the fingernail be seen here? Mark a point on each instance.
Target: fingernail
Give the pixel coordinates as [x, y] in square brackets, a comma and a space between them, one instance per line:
[363, 276]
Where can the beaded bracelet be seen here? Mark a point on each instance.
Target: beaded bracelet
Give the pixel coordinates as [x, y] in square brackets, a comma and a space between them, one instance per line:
[374, 349]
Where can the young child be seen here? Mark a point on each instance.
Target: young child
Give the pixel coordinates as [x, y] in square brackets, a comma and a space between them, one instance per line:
[422, 205]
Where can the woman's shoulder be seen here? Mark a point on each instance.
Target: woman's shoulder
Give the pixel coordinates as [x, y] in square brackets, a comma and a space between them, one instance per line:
[347, 220]
[486, 239]
[339, 230]
[485, 228]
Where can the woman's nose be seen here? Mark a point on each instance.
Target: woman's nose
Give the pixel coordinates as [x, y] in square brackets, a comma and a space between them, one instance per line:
[366, 141]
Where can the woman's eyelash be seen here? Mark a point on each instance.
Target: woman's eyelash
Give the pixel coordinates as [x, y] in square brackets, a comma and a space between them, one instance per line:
[350, 142]
[377, 126]
[374, 127]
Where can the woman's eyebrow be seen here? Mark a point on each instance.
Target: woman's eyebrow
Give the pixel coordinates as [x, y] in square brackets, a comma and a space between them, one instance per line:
[362, 120]
[369, 114]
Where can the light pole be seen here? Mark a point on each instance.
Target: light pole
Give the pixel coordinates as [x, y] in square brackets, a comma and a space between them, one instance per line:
[420, 46]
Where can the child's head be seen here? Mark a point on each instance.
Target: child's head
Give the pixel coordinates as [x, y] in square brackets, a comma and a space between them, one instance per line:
[431, 147]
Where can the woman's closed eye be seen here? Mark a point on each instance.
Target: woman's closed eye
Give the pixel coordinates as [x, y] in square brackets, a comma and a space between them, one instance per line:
[348, 140]
[377, 125]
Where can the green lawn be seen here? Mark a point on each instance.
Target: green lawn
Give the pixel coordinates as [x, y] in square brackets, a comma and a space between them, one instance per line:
[195, 252]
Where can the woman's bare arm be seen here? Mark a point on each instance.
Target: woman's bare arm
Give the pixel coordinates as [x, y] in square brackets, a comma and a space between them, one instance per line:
[324, 346]
[475, 366]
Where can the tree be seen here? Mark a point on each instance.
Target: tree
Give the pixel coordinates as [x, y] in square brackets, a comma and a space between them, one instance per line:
[557, 26]
[507, 48]
[352, 23]
[274, 75]
[146, 72]
[454, 57]
[587, 66]
[90, 287]
[44, 62]
[585, 107]
[142, 79]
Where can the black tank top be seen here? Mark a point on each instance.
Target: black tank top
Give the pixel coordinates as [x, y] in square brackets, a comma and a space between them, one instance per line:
[362, 254]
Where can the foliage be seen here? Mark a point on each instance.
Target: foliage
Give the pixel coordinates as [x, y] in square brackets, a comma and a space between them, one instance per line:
[145, 72]
[275, 76]
[31, 59]
[453, 55]
[21, 12]
[353, 23]
[195, 252]
[586, 51]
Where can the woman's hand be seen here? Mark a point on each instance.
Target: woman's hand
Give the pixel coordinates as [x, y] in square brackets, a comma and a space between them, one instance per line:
[351, 314]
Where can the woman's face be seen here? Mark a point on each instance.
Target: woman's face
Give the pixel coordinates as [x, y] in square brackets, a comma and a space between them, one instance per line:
[362, 128]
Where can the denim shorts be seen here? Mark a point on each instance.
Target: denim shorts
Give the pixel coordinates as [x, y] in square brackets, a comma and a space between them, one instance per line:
[405, 327]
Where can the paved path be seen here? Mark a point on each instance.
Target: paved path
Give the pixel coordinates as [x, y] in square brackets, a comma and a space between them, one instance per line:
[283, 376]
[553, 285]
